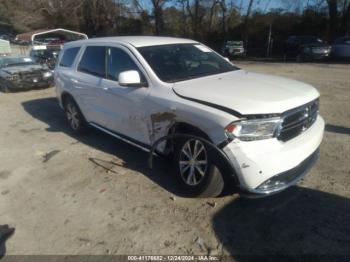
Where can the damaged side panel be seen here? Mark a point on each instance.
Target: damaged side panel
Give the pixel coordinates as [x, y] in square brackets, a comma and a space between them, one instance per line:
[159, 127]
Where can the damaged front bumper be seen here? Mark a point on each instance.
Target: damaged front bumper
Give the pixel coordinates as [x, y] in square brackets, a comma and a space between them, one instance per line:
[285, 179]
[26, 85]
[269, 166]
[265, 167]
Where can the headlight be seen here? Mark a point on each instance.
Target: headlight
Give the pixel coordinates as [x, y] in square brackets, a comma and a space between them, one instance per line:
[47, 74]
[255, 129]
[12, 77]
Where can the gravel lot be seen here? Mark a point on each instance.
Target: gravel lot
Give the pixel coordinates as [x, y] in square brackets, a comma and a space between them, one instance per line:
[96, 195]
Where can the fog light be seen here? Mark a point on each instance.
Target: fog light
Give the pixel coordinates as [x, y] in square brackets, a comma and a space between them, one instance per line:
[270, 184]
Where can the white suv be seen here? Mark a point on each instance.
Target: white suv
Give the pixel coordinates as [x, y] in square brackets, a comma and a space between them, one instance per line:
[218, 122]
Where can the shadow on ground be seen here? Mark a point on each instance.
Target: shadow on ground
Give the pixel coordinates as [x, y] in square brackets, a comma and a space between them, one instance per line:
[299, 222]
[338, 129]
[48, 111]
[5, 233]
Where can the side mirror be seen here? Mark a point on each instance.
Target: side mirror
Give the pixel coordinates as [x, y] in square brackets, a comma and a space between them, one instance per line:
[130, 78]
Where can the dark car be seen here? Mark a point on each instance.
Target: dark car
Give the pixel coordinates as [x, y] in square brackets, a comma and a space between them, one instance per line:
[341, 48]
[23, 73]
[306, 48]
[45, 57]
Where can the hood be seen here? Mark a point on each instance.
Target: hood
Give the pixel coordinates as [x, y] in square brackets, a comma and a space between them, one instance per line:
[247, 93]
[21, 68]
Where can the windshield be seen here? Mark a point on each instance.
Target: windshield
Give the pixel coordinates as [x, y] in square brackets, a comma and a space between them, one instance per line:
[234, 43]
[310, 40]
[14, 61]
[177, 62]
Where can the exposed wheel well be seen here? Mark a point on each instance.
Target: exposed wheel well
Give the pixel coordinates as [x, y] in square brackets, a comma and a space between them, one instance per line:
[182, 128]
[64, 97]
[185, 128]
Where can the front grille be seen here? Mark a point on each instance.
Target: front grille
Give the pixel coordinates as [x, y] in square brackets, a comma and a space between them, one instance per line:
[30, 76]
[298, 120]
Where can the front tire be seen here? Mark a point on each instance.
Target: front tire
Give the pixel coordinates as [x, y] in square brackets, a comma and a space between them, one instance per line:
[196, 171]
[74, 117]
[4, 89]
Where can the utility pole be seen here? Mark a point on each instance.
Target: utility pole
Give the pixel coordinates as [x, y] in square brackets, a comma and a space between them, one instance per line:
[268, 51]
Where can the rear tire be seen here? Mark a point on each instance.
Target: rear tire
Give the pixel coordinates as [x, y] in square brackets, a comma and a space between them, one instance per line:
[5, 89]
[74, 117]
[196, 169]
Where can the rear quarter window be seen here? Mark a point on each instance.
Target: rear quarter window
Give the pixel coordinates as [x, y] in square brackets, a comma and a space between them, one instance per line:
[69, 56]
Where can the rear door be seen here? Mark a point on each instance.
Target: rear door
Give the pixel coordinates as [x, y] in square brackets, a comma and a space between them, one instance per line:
[65, 70]
[87, 80]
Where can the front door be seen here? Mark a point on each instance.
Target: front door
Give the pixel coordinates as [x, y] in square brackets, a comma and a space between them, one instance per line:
[125, 107]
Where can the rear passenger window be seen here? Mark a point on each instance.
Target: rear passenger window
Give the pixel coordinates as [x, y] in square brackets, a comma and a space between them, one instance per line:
[69, 57]
[119, 61]
[93, 61]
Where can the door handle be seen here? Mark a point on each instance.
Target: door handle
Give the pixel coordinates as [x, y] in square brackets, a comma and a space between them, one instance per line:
[105, 88]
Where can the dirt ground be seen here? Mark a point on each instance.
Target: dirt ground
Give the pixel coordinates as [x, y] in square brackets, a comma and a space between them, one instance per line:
[95, 195]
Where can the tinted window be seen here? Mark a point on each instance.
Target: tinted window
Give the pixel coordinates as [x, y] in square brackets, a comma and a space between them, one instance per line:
[119, 61]
[94, 61]
[179, 62]
[69, 56]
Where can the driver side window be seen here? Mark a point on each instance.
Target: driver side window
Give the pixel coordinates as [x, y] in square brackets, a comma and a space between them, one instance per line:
[119, 61]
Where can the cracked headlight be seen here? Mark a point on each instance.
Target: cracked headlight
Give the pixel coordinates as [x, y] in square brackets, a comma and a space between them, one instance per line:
[12, 77]
[255, 129]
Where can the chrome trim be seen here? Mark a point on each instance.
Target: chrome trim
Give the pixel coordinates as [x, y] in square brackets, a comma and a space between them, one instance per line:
[310, 116]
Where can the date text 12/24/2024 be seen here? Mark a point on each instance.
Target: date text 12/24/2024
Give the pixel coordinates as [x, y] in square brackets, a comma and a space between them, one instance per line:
[173, 258]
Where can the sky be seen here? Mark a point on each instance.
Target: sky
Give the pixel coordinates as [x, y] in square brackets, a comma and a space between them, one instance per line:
[263, 5]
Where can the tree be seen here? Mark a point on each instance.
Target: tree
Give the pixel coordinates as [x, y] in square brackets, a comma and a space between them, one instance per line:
[196, 13]
[246, 20]
[333, 18]
[158, 15]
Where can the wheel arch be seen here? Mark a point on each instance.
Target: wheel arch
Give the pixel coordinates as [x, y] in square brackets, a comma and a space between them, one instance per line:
[65, 96]
[181, 127]
[231, 179]
[186, 128]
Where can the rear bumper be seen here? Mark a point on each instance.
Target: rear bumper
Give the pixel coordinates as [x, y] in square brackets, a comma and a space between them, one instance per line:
[320, 56]
[269, 166]
[237, 53]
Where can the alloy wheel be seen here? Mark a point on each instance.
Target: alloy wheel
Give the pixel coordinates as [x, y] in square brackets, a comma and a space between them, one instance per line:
[73, 116]
[193, 162]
